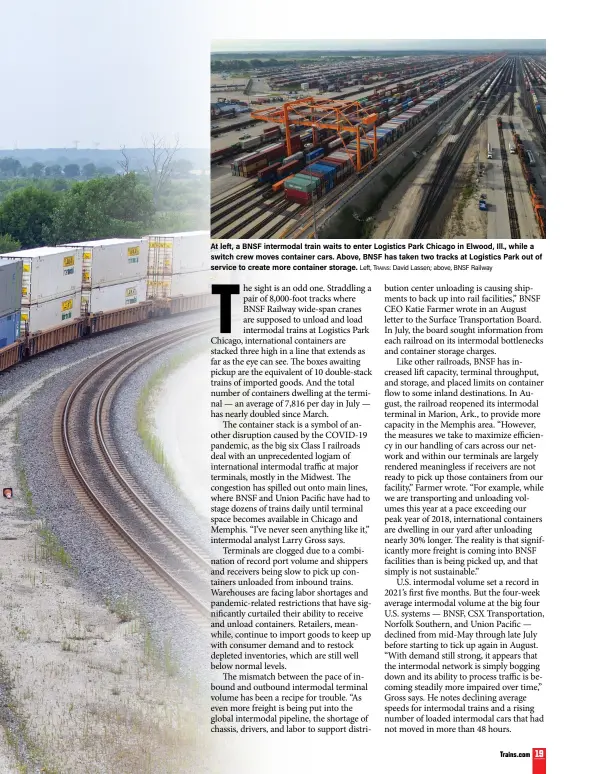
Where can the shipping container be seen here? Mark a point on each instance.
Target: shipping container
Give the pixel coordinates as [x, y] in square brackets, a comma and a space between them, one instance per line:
[178, 252]
[11, 275]
[112, 261]
[302, 181]
[289, 169]
[10, 325]
[293, 157]
[268, 174]
[296, 195]
[184, 284]
[51, 313]
[48, 272]
[324, 182]
[110, 297]
[314, 154]
[252, 142]
[190, 283]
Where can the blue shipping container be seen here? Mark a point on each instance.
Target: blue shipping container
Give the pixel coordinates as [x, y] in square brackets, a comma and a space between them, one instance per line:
[314, 154]
[10, 326]
[326, 170]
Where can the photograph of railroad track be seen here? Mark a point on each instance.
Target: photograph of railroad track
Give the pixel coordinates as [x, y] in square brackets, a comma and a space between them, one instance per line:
[443, 140]
[105, 303]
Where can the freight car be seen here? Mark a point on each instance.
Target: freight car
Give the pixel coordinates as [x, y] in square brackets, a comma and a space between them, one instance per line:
[269, 134]
[34, 344]
[127, 281]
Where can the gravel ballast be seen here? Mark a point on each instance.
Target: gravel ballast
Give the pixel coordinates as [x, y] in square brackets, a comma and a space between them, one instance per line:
[101, 569]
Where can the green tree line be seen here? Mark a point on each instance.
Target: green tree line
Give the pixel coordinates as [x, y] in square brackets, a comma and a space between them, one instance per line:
[11, 168]
[117, 206]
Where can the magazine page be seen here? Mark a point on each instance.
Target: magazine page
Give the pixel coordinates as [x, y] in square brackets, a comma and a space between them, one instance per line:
[294, 391]
[384, 495]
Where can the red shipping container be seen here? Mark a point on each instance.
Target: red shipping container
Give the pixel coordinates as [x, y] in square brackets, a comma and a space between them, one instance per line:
[289, 167]
[301, 197]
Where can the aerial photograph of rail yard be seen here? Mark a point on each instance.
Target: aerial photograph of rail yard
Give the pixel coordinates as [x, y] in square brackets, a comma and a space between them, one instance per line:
[429, 138]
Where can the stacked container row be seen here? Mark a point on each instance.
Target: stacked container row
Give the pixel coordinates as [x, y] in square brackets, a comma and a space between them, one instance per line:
[252, 163]
[178, 263]
[50, 285]
[114, 273]
[411, 111]
[46, 287]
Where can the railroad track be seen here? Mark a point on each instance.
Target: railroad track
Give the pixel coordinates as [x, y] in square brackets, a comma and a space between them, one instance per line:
[295, 223]
[227, 200]
[514, 225]
[346, 191]
[537, 119]
[448, 165]
[443, 177]
[243, 206]
[91, 463]
[248, 219]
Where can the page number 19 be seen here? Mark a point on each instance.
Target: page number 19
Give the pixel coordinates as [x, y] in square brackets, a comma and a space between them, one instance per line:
[539, 760]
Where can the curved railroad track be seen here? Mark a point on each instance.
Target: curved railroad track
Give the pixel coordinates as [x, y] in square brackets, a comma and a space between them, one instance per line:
[92, 465]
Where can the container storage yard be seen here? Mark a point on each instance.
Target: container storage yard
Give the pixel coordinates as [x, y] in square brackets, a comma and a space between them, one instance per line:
[50, 296]
[320, 163]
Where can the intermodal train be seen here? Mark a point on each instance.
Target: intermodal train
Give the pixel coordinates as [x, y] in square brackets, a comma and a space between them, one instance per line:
[526, 161]
[34, 344]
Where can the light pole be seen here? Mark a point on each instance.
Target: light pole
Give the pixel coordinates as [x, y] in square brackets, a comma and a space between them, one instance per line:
[313, 201]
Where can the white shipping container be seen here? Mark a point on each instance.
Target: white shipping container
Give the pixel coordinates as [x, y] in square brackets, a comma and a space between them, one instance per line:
[112, 261]
[190, 283]
[11, 274]
[186, 284]
[49, 314]
[110, 297]
[49, 272]
[175, 253]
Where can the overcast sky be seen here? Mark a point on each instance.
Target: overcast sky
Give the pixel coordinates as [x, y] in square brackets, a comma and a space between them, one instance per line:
[374, 45]
[107, 72]
[114, 71]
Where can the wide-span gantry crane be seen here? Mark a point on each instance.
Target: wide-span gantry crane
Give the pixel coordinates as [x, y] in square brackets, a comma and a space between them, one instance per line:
[320, 113]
